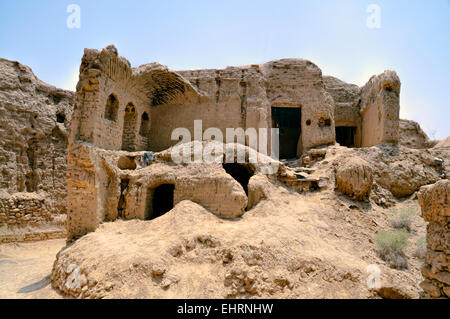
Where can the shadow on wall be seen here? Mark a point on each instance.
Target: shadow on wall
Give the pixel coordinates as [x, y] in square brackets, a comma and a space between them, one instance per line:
[241, 173]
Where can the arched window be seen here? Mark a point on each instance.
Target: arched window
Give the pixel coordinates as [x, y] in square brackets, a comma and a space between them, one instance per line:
[129, 128]
[112, 107]
[145, 125]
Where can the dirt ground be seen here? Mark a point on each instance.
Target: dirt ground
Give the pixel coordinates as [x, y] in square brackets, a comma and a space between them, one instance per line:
[25, 269]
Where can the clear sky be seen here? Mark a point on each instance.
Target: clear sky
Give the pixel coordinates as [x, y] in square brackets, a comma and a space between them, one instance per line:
[413, 39]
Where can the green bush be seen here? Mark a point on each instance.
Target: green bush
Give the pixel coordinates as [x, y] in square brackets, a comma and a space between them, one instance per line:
[390, 246]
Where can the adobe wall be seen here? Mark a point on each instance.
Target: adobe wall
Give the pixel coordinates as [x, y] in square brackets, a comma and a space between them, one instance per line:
[243, 97]
[380, 108]
[435, 203]
[100, 188]
[230, 98]
[92, 192]
[347, 103]
[33, 138]
[298, 83]
[102, 74]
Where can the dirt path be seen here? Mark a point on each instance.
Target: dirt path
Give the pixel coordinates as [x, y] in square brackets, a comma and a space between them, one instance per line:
[25, 269]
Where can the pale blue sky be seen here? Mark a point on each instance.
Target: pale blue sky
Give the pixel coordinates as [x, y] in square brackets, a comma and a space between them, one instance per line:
[414, 40]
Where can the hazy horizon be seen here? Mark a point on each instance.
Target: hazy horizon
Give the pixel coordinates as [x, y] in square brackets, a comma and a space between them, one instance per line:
[412, 39]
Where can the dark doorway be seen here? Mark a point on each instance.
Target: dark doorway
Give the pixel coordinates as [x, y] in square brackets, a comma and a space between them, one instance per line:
[345, 135]
[239, 172]
[122, 205]
[162, 200]
[288, 120]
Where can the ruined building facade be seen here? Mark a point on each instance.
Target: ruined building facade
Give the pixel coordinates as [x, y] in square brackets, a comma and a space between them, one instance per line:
[132, 109]
[121, 112]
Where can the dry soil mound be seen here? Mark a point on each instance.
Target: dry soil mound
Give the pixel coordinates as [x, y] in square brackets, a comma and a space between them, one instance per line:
[290, 246]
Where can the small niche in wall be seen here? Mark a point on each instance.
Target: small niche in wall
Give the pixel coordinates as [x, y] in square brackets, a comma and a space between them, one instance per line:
[60, 117]
[323, 122]
[112, 107]
[145, 125]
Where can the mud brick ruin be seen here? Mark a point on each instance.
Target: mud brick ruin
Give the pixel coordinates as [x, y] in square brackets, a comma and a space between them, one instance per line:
[122, 112]
[34, 120]
[71, 163]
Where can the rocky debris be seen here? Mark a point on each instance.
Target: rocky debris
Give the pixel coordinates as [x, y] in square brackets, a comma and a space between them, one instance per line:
[412, 136]
[313, 156]
[395, 292]
[397, 171]
[381, 196]
[400, 170]
[33, 138]
[354, 178]
[435, 203]
[441, 151]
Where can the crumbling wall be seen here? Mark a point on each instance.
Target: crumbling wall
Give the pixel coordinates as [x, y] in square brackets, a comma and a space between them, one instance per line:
[104, 91]
[298, 83]
[106, 185]
[33, 139]
[115, 99]
[435, 203]
[230, 98]
[380, 107]
[411, 135]
[347, 103]
[242, 97]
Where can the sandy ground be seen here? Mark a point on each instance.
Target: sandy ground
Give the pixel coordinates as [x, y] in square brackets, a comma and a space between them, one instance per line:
[25, 269]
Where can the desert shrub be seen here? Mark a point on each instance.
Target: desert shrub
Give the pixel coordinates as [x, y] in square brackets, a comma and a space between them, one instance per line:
[402, 218]
[421, 248]
[390, 246]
